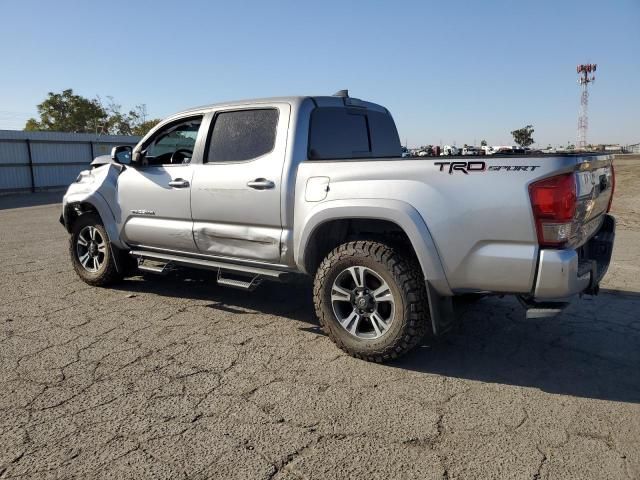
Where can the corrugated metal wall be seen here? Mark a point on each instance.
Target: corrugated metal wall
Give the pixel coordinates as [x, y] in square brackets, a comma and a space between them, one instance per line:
[44, 160]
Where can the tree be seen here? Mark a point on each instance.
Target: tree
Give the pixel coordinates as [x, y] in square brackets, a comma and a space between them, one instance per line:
[523, 136]
[483, 143]
[133, 123]
[67, 112]
[138, 121]
[142, 128]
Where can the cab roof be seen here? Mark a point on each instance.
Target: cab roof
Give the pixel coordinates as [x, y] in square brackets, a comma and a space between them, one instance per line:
[295, 101]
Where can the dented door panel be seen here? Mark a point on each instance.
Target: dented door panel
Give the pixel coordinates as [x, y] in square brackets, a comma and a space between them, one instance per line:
[236, 206]
[238, 241]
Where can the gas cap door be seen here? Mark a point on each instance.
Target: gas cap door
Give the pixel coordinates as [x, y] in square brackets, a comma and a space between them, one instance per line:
[317, 189]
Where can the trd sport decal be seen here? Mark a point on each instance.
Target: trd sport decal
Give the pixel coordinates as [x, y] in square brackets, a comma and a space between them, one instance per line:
[480, 166]
[464, 167]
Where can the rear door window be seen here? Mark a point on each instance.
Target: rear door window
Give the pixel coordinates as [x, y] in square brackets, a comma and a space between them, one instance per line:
[242, 135]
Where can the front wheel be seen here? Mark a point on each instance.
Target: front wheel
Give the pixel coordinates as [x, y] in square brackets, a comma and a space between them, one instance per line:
[371, 300]
[91, 254]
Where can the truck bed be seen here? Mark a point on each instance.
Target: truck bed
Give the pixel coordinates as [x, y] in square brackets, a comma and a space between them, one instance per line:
[478, 213]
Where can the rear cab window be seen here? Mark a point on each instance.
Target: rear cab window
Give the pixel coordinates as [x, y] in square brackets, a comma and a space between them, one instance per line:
[346, 132]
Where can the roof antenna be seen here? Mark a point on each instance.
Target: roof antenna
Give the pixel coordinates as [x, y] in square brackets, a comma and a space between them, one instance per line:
[342, 93]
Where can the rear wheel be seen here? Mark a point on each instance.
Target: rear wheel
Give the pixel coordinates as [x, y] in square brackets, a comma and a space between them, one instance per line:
[371, 300]
[90, 252]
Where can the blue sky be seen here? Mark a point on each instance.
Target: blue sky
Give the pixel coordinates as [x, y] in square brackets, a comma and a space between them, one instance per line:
[449, 71]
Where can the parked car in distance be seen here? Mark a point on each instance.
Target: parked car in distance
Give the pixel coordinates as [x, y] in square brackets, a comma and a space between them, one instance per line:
[469, 150]
[448, 150]
[487, 149]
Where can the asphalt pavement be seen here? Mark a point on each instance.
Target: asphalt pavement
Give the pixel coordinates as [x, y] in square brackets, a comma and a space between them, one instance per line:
[176, 377]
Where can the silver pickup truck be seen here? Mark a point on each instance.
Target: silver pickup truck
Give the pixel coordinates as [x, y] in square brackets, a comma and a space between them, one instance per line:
[270, 188]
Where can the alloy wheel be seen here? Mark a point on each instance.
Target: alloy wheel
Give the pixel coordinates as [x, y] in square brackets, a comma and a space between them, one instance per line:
[91, 248]
[362, 302]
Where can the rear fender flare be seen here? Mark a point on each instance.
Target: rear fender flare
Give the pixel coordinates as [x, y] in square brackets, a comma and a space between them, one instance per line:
[395, 211]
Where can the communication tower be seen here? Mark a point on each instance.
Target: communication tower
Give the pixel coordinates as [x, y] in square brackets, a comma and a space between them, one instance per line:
[586, 75]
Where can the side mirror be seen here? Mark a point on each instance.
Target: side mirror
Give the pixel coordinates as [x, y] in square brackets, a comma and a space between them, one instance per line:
[121, 154]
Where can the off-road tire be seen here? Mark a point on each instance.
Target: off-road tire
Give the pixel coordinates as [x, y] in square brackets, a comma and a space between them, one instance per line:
[107, 274]
[404, 276]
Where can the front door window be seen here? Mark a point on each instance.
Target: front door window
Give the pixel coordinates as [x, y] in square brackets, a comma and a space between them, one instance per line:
[174, 144]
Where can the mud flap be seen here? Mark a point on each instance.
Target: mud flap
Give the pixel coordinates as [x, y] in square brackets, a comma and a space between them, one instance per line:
[443, 317]
[125, 263]
[117, 259]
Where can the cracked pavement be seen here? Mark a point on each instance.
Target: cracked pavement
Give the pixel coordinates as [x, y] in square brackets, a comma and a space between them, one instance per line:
[175, 377]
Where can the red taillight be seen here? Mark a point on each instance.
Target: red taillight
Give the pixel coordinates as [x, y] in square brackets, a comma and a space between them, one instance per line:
[613, 187]
[554, 206]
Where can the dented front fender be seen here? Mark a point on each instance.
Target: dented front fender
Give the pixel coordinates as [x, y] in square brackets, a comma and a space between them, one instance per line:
[96, 188]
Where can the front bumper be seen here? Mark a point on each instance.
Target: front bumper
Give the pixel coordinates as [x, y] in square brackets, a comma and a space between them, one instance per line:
[563, 273]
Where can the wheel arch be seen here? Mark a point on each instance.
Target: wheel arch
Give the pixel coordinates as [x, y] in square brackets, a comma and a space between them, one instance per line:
[333, 222]
[77, 204]
[73, 211]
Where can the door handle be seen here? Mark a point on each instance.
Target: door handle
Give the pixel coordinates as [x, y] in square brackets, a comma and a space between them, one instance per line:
[261, 184]
[179, 183]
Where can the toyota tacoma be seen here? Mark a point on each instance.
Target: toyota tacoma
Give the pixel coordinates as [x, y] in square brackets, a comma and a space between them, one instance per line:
[266, 189]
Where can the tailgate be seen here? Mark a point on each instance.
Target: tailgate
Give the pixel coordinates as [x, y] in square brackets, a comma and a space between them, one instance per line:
[595, 182]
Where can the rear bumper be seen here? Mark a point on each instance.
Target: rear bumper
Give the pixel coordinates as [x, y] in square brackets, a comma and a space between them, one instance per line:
[563, 273]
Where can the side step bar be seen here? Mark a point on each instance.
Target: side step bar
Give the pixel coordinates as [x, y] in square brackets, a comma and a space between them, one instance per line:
[169, 260]
[160, 270]
[542, 309]
[250, 285]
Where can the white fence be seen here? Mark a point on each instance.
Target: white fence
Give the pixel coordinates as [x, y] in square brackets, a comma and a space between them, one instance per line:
[32, 161]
